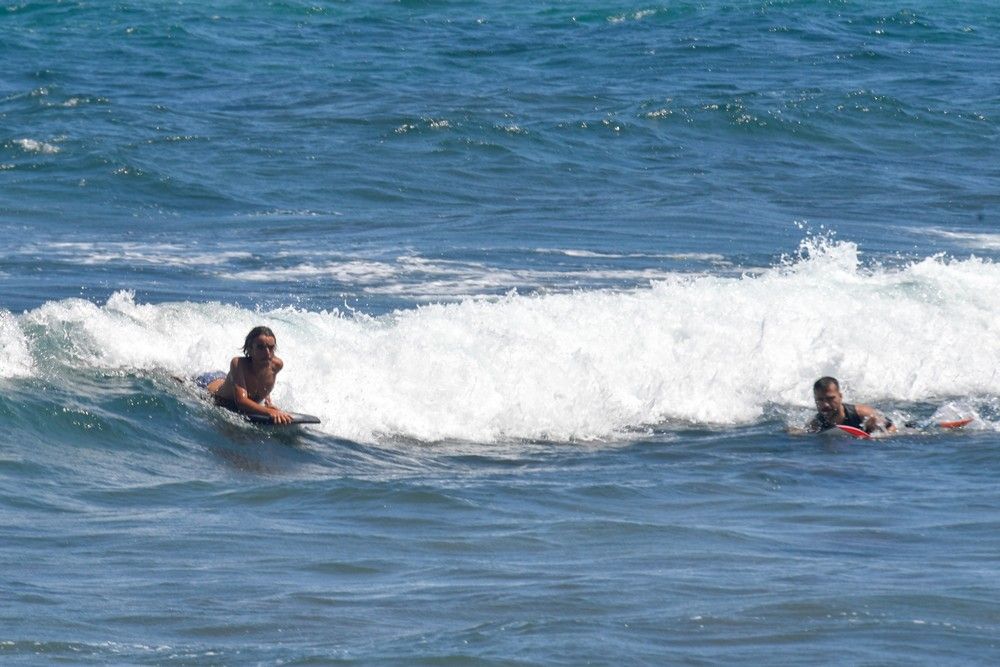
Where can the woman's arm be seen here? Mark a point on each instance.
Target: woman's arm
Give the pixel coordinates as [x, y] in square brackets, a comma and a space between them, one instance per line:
[245, 404]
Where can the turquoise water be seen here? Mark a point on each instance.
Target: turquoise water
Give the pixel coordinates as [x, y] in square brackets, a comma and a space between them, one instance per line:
[557, 279]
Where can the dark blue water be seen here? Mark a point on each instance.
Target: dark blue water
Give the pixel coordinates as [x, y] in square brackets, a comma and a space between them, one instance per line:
[557, 279]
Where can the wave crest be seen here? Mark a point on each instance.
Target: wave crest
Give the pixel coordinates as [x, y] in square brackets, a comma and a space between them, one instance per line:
[585, 365]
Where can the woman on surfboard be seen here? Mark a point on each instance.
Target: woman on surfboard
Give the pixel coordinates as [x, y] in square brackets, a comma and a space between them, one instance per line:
[247, 387]
[831, 411]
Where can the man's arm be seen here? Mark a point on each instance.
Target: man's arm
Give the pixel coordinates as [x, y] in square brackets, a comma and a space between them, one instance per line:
[874, 420]
[813, 425]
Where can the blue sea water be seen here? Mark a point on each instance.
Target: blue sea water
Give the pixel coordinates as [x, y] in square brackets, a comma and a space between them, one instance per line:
[556, 277]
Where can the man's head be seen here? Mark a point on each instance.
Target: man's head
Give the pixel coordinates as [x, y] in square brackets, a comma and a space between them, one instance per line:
[826, 393]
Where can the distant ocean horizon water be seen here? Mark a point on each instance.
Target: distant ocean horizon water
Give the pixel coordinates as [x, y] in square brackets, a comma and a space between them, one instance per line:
[557, 279]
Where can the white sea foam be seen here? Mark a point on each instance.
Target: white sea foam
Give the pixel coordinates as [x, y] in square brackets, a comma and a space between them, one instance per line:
[696, 256]
[421, 278]
[296, 213]
[634, 16]
[33, 146]
[406, 276]
[362, 272]
[967, 239]
[588, 364]
[131, 254]
[14, 349]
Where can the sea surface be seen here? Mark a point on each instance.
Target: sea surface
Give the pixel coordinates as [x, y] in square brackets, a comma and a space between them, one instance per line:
[557, 278]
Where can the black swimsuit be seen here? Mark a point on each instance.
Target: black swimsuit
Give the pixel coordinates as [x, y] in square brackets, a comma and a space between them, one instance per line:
[851, 418]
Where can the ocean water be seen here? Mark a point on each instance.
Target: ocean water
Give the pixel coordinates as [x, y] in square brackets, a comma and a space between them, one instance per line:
[557, 278]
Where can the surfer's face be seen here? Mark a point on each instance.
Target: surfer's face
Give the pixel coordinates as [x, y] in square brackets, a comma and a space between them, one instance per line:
[828, 401]
[262, 348]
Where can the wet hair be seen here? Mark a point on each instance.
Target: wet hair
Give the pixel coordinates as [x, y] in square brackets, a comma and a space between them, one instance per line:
[257, 331]
[825, 383]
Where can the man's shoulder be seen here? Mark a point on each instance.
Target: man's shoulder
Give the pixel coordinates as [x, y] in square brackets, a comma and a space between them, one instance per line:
[865, 410]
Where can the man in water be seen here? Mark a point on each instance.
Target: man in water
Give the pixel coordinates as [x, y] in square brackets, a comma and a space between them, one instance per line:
[832, 411]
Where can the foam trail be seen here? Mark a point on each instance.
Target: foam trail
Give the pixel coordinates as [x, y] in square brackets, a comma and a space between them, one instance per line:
[585, 365]
[976, 241]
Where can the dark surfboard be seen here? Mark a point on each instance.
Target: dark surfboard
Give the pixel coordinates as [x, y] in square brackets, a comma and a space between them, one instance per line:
[297, 418]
